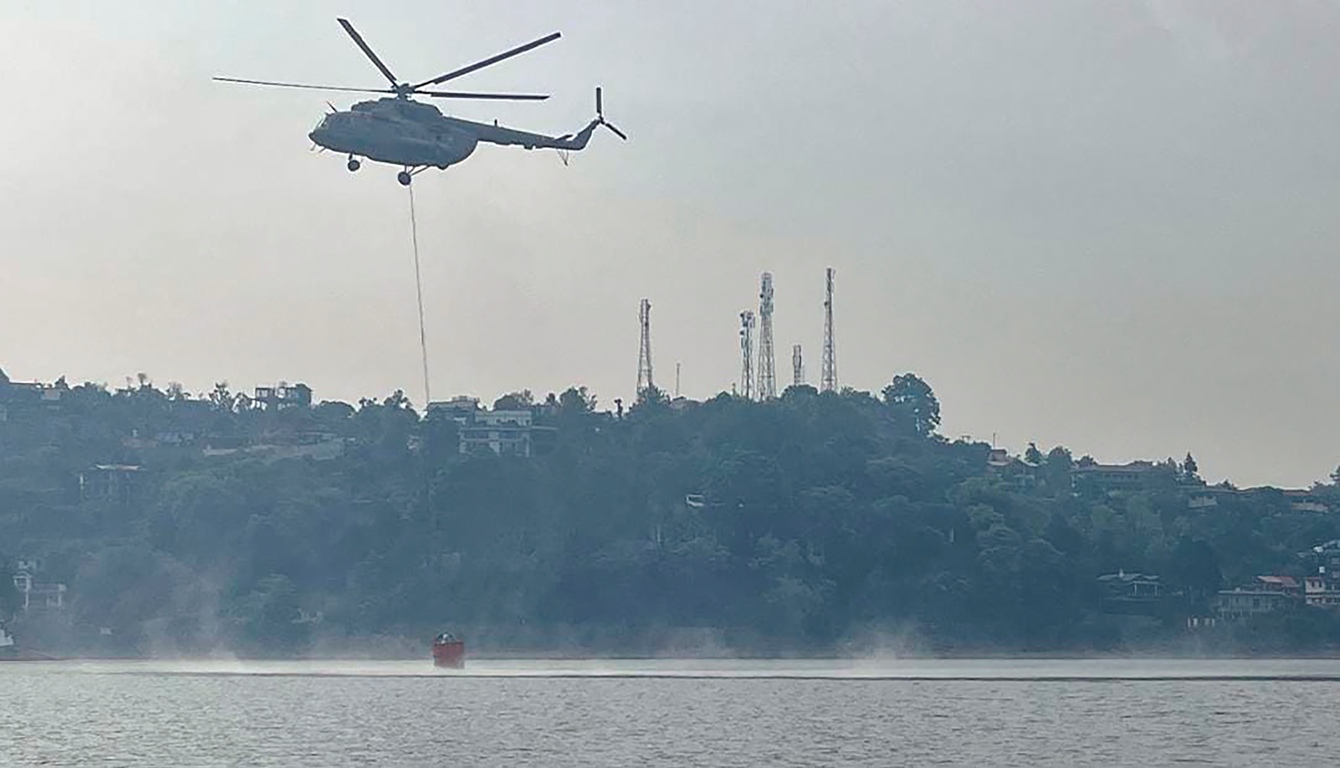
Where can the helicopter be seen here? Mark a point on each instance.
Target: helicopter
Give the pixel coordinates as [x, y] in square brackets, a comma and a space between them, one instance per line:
[397, 130]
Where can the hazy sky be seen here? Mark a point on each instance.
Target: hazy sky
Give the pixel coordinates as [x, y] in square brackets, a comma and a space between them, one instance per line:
[1102, 224]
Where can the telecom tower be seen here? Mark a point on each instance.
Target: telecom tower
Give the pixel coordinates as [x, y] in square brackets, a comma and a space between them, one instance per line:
[644, 379]
[830, 354]
[767, 376]
[797, 366]
[747, 354]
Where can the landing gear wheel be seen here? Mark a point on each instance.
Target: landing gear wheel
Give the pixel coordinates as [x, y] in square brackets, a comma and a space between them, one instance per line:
[354, 164]
[404, 178]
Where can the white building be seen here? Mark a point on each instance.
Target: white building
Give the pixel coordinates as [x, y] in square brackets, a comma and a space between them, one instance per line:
[36, 595]
[505, 433]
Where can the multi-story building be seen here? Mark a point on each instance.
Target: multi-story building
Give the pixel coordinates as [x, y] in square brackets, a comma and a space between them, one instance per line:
[284, 396]
[1246, 602]
[1114, 478]
[506, 433]
[1320, 591]
[503, 432]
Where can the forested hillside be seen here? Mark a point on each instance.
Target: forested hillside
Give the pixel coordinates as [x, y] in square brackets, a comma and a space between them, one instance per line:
[810, 523]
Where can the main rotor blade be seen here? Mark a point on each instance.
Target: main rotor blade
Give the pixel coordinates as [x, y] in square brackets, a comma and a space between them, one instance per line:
[520, 49]
[470, 95]
[358, 40]
[617, 132]
[304, 85]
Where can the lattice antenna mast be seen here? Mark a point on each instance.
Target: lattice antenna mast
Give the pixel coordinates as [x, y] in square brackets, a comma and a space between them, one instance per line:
[747, 354]
[767, 373]
[644, 377]
[797, 366]
[830, 378]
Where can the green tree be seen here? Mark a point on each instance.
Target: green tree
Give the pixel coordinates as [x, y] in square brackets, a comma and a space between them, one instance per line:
[1060, 459]
[1194, 566]
[577, 400]
[221, 398]
[515, 401]
[651, 398]
[1190, 470]
[913, 402]
[1032, 455]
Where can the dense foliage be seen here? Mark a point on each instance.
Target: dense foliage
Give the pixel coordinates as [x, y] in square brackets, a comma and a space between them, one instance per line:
[814, 521]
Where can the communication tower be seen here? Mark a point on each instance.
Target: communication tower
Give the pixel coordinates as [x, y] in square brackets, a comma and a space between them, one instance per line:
[767, 375]
[797, 366]
[644, 378]
[830, 353]
[747, 354]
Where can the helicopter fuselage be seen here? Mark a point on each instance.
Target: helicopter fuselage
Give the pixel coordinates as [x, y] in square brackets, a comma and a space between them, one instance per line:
[411, 134]
[386, 131]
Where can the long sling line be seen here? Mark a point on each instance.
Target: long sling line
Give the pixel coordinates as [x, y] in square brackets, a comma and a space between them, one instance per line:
[418, 290]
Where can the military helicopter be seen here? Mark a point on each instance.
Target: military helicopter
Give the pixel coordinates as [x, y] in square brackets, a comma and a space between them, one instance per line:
[415, 136]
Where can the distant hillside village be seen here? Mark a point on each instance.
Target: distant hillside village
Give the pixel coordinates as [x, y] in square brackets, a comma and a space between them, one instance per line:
[1315, 577]
[100, 487]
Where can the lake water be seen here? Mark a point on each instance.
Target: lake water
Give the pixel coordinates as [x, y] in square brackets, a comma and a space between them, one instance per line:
[672, 713]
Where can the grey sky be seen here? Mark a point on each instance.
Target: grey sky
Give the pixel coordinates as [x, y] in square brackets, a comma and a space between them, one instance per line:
[1108, 225]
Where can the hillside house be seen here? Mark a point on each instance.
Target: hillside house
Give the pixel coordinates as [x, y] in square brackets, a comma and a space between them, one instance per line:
[110, 482]
[1263, 594]
[1321, 591]
[35, 595]
[284, 396]
[1130, 592]
[1245, 602]
[502, 432]
[1111, 479]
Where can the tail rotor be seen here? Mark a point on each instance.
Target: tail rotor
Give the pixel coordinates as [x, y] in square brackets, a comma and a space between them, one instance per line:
[600, 117]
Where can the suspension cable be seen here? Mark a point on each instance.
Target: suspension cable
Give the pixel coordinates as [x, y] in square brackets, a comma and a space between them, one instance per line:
[418, 290]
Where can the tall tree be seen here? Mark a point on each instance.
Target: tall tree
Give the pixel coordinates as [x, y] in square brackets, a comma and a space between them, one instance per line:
[1194, 565]
[1059, 458]
[1190, 470]
[577, 400]
[651, 398]
[1032, 455]
[913, 402]
[221, 398]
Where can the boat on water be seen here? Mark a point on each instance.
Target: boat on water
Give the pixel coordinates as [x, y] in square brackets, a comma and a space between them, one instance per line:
[448, 651]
